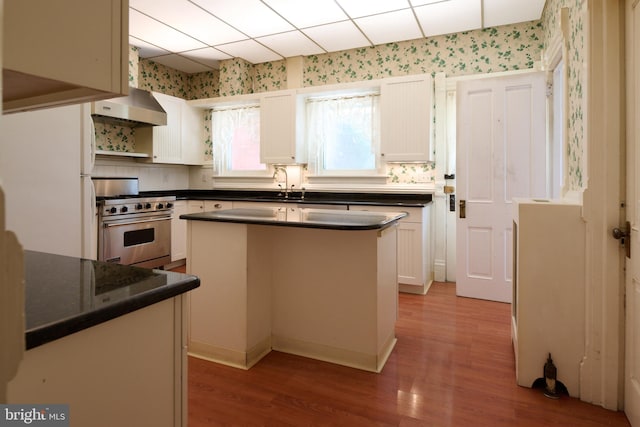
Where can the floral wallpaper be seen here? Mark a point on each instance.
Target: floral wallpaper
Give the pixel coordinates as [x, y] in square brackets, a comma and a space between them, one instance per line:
[204, 85]
[270, 76]
[115, 138]
[156, 77]
[235, 77]
[509, 47]
[576, 145]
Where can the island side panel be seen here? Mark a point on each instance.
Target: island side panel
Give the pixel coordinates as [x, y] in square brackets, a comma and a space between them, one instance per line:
[121, 372]
[219, 254]
[387, 297]
[325, 295]
[259, 283]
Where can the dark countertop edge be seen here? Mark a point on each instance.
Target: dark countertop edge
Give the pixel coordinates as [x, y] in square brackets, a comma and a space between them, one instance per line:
[276, 223]
[44, 334]
[418, 200]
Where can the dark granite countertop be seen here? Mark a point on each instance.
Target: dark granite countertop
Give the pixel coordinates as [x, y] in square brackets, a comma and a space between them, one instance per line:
[310, 197]
[302, 217]
[64, 294]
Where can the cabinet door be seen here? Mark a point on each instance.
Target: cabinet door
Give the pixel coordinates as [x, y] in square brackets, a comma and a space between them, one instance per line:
[62, 52]
[280, 141]
[406, 109]
[163, 144]
[195, 206]
[413, 246]
[167, 140]
[411, 262]
[216, 205]
[193, 147]
[179, 231]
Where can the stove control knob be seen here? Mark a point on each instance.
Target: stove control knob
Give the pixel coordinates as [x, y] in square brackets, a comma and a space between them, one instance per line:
[169, 205]
[147, 206]
[160, 206]
[124, 209]
[139, 206]
[113, 210]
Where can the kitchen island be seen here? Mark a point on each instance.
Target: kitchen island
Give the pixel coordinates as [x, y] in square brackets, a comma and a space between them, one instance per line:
[312, 282]
[106, 339]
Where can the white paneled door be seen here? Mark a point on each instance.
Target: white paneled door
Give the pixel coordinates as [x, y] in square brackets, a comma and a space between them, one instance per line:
[501, 154]
[632, 316]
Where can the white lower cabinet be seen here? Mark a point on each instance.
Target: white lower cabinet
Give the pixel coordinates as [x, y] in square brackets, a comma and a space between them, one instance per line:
[179, 226]
[415, 269]
[179, 231]
[119, 361]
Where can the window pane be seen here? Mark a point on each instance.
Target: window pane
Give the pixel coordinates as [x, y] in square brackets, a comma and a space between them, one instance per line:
[236, 133]
[344, 132]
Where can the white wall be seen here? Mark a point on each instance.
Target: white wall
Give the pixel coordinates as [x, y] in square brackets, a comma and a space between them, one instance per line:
[152, 177]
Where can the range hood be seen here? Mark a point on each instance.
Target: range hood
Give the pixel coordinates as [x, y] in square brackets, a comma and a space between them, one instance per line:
[137, 109]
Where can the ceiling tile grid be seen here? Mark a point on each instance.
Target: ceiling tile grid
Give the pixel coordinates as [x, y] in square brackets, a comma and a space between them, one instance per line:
[194, 35]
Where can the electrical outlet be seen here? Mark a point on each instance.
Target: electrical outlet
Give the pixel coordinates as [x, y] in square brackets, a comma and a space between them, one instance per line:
[422, 177]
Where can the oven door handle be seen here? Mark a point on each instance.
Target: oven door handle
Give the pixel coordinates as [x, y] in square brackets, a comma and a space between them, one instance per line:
[125, 222]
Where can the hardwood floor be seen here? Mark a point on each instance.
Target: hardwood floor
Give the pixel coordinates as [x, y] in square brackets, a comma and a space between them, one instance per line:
[453, 366]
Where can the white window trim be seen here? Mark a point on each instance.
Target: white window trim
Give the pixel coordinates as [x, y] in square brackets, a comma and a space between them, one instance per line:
[317, 175]
[221, 174]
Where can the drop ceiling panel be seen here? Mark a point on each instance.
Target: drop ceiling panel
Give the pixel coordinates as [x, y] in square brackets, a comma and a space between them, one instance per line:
[339, 36]
[252, 17]
[183, 64]
[207, 31]
[359, 8]
[423, 2]
[293, 43]
[161, 35]
[207, 56]
[304, 14]
[502, 12]
[189, 19]
[251, 51]
[145, 49]
[448, 17]
[390, 27]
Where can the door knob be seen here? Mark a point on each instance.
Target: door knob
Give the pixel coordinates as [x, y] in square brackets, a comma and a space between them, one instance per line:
[463, 208]
[619, 234]
[622, 234]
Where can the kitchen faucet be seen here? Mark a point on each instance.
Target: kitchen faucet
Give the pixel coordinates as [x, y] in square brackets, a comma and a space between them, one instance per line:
[286, 180]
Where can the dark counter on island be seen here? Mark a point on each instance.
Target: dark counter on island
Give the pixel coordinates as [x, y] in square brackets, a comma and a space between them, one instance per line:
[302, 217]
[64, 294]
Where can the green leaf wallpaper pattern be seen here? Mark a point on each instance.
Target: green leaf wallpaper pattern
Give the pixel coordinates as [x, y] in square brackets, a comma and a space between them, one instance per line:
[510, 47]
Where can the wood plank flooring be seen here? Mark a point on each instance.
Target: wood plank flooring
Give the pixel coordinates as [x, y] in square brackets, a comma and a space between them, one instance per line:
[453, 366]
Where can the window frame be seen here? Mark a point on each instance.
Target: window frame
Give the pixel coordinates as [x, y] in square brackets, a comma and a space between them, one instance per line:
[221, 160]
[315, 168]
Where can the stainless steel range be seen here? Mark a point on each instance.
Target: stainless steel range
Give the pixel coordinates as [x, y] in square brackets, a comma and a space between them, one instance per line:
[134, 230]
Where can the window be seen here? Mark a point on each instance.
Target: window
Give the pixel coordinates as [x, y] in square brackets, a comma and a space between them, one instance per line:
[235, 135]
[343, 134]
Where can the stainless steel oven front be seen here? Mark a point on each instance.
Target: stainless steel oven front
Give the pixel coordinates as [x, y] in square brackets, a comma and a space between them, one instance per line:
[136, 231]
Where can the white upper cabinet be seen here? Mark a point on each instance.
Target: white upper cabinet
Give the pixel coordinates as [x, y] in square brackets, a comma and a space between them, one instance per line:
[180, 140]
[192, 135]
[281, 128]
[63, 52]
[406, 115]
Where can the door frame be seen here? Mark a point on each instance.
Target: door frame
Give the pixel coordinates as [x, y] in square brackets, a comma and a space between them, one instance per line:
[602, 368]
[632, 55]
[444, 220]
